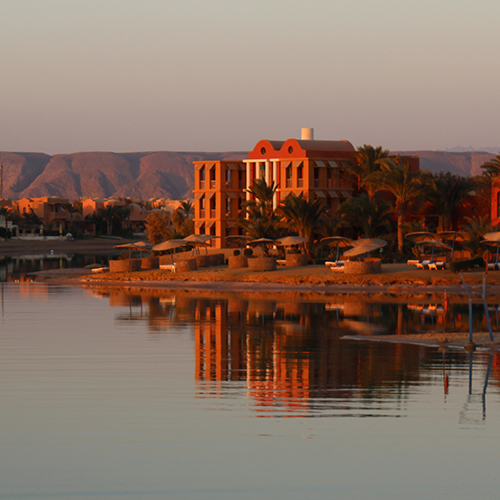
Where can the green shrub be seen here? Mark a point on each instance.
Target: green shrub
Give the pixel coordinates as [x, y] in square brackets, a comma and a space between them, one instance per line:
[236, 253]
[466, 265]
[248, 252]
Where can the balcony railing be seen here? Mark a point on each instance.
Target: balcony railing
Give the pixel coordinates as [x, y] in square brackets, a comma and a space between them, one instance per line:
[212, 214]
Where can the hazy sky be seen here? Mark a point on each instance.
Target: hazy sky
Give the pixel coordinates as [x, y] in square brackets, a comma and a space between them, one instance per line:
[219, 75]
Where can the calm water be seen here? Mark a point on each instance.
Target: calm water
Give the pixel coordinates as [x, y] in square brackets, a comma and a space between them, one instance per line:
[218, 396]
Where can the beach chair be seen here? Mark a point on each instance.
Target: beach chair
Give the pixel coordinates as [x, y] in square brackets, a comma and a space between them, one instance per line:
[338, 268]
[424, 264]
[436, 265]
[412, 262]
[168, 267]
[281, 262]
[98, 270]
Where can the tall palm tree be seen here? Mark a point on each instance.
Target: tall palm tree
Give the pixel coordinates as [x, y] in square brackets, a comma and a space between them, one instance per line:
[304, 215]
[447, 192]
[492, 167]
[396, 177]
[474, 231]
[260, 220]
[371, 218]
[369, 160]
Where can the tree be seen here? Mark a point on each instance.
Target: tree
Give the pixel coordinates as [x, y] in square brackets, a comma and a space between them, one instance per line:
[304, 215]
[473, 232]
[369, 160]
[396, 177]
[109, 214]
[492, 167]
[260, 219]
[447, 192]
[158, 227]
[371, 218]
[182, 218]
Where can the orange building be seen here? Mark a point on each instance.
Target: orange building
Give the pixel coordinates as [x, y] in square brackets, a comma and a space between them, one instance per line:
[315, 169]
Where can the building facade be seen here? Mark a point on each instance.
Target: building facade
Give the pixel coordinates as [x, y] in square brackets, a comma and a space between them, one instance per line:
[315, 169]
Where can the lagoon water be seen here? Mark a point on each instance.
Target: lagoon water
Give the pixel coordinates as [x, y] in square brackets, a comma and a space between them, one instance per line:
[118, 394]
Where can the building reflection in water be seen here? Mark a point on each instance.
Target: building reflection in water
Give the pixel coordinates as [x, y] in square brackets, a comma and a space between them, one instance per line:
[290, 353]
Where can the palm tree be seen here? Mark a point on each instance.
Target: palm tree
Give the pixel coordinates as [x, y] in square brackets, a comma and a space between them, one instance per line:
[371, 218]
[492, 167]
[183, 218]
[109, 214]
[396, 177]
[447, 192]
[304, 215]
[474, 231]
[369, 161]
[261, 220]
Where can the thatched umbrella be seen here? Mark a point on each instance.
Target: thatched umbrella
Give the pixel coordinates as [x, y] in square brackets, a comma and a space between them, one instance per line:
[141, 246]
[434, 244]
[238, 239]
[369, 241]
[263, 242]
[450, 235]
[421, 236]
[360, 250]
[337, 241]
[169, 245]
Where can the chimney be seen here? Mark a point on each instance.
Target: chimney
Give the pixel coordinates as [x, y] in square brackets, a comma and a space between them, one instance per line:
[307, 134]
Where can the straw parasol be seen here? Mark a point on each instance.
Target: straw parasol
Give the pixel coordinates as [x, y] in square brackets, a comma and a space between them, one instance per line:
[434, 244]
[263, 242]
[141, 246]
[421, 236]
[369, 241]
[288, 241]
[337, 241]
[360, 250]
[169, 245]
[238, 239]
[451, 235]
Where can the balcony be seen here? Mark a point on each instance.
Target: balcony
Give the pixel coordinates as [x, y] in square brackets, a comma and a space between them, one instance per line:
[212, 214]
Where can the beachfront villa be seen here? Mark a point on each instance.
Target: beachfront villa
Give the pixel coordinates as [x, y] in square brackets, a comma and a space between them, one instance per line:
[315, 168]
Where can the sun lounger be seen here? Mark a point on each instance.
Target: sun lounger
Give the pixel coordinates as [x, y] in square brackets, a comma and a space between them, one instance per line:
[424, 264]
[97, 270]
[492, 265]
[168, 267]
[281, 262]
[337, 269]
[413, 262]
[436, 265]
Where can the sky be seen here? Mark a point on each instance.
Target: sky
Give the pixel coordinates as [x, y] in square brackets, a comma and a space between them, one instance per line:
[220, 75]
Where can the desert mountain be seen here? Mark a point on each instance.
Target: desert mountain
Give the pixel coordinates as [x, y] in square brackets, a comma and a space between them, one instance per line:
[153, 175]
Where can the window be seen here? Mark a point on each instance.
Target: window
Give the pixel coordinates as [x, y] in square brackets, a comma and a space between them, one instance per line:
[202, 207]
[202, 178]
[212, 207]
[212, 178]
[228, 178]
[329, 180]
[288, 177]
[228, 207]
[241, 179]
[316, 177]
[300, 176]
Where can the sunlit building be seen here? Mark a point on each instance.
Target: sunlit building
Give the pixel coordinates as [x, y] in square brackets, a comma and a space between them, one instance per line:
[315, 169]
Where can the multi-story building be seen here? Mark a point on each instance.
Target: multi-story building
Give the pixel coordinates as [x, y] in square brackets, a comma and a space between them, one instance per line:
[317, 169]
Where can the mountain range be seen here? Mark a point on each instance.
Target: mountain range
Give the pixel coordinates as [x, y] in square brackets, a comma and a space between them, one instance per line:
[164, 174]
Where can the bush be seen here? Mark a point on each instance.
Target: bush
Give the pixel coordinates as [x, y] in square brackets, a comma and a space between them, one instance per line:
[248, 252]
[236, 253]
[466, 265]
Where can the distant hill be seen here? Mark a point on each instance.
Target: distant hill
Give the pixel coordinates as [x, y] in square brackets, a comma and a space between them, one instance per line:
[102, 175]
[164, 174]
[461, 163]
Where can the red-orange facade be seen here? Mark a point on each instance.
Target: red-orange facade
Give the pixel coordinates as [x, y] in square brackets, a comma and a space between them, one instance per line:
[317, 169]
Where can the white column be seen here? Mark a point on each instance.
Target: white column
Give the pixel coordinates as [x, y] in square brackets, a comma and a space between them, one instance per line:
[275, 180]
[268, 173]
[249, 177]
